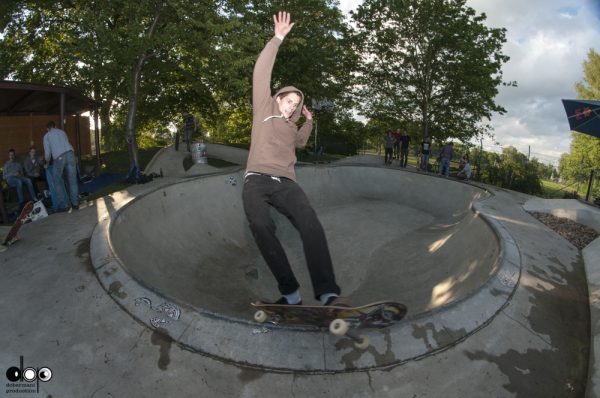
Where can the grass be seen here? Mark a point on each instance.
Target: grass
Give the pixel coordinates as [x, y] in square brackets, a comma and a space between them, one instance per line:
[552, 190]
[118, 161]
[555, 190]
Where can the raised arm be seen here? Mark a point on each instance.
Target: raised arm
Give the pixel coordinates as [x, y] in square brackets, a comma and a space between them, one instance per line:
[304, 131]
[261, 78]
[282, 24]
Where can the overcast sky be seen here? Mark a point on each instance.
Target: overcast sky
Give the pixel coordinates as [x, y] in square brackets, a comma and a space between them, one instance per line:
[547, 41]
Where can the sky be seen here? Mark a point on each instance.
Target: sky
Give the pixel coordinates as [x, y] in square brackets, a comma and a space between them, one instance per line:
[547, 42]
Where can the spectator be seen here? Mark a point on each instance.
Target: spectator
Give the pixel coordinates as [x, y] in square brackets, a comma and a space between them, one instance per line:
[445, 157]
[405, 141]
[397, 136]
[466, 171]
[13, 174]
[425, 149]
[190, 125]
[58, 149]
[34, 168]
[389, 147]
[464, 159]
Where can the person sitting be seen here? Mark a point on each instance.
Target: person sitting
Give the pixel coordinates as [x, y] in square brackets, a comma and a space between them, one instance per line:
[466, 171]
[34, 169]
[13, 174]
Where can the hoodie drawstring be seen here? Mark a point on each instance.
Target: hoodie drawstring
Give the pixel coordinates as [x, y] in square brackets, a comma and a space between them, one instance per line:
[274, 116]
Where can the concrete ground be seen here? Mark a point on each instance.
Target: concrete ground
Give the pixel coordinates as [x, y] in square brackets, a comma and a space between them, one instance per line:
[56, 314]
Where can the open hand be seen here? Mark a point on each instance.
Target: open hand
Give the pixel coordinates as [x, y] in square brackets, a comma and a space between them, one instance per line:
[306, 113]
[282, 24]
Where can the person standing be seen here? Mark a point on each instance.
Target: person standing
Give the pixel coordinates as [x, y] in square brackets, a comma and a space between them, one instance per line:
[397, 135]
[58, 150]
[446, 155]
[425, 148]
[388, 141]
[190, 125]
[270, 179]
[404, 143]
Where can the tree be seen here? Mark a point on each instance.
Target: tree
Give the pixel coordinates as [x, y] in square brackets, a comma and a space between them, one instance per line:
[129, 56]
[315, 58]
[584, 153]
[583, 157]
[147, 60]
[510, 169]
[590, 87]
[432, 63]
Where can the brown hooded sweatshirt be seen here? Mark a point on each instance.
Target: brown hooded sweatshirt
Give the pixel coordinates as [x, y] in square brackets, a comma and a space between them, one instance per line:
[274, 138]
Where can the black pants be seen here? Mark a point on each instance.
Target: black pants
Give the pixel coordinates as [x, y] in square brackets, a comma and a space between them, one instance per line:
[403, 157]
[259, 194]
[389, 152]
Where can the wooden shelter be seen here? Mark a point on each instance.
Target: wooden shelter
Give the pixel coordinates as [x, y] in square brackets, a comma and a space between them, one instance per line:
[26, 108]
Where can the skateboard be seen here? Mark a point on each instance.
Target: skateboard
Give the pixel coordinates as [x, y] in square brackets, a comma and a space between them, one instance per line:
[339, 320]
[14, 230]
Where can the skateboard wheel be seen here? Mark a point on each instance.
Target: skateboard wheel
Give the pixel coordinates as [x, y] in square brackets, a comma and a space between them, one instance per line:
[363, 343]
[260, 316]
[338, 327]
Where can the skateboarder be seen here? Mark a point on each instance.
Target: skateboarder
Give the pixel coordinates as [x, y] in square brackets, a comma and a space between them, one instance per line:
[270, 179]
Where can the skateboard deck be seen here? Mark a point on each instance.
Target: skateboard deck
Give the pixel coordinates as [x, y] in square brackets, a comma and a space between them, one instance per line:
[11, 237]
[339, 320]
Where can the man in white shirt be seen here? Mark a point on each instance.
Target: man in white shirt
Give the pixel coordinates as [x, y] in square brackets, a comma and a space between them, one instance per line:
[466, 171]
[58, 149]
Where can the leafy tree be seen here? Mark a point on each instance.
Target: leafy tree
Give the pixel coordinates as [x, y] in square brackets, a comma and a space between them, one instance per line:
[545, 171]
[590, 87]
[584, 154]
[583, 157]
[147, 60]
[128, 55]
[432, 63]
[315, 57]
[511, 169]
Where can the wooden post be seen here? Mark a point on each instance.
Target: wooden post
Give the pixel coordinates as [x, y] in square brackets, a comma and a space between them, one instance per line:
[63, 100]
[78, 139]
[97, 141]
[589, 190]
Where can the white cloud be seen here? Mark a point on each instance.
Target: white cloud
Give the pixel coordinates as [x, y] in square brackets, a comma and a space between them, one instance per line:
[547, 41]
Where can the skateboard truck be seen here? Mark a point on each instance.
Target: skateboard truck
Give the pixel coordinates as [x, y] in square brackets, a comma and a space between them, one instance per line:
[337, 327]
[340, 327]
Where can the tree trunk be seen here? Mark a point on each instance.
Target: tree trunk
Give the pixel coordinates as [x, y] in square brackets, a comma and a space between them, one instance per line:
[134, 93]
[425, 113]
[108, 141]
[130, 135]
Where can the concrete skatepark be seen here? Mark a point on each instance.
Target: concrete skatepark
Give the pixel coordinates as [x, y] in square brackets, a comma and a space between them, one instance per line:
[146, 291]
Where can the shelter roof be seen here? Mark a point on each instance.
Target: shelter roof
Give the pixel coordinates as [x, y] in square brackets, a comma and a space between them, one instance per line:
[20, 98]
